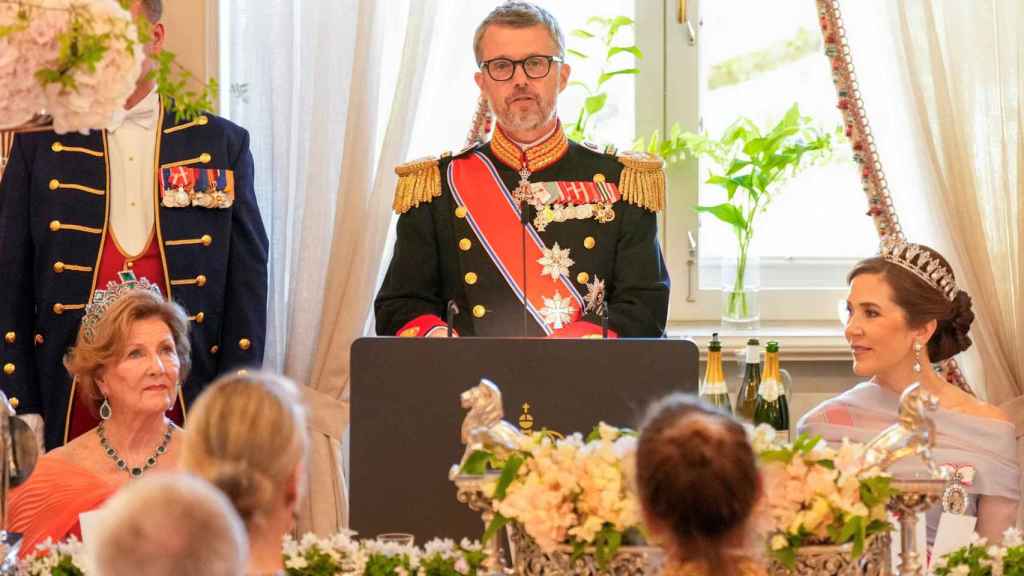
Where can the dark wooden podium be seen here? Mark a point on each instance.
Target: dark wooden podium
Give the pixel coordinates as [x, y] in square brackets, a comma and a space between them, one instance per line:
[406, 416]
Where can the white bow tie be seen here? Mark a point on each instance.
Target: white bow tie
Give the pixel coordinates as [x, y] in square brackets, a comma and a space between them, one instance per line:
[142, 115]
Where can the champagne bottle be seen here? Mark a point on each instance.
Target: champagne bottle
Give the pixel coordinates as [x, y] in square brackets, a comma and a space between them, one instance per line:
[713, 389]
[746, 402]
[772, 406]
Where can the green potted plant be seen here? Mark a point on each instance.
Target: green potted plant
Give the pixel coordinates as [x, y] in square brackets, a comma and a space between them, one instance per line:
[750, 164]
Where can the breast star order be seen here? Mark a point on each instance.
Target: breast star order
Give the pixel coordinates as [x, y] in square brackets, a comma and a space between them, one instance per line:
[556, 262]
[557, 311]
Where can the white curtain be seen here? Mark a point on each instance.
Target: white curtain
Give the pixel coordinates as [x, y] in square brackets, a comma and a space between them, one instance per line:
[941, 81]
[329, 95]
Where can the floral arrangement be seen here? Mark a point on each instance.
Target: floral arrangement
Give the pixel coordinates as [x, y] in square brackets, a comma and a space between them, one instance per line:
[340, 555]
[79, 60]
[815, 494]
[66, 558]
[978, 558]
[567, 491]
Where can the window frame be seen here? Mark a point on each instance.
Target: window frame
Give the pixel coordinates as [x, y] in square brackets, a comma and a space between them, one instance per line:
[664, 38]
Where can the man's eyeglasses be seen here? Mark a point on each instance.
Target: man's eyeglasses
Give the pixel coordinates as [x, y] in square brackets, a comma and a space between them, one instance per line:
[535, 67]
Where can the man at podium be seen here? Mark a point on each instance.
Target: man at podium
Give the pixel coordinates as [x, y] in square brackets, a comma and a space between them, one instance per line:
[528, 234]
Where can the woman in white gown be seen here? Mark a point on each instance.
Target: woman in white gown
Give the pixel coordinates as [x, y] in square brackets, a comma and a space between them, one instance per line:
[905, 312]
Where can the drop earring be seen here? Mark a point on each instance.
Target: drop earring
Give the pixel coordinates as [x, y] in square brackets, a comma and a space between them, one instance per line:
[105, 411]
[917, 357]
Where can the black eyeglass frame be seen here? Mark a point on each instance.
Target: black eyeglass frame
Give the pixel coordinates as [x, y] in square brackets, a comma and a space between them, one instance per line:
[486, 65]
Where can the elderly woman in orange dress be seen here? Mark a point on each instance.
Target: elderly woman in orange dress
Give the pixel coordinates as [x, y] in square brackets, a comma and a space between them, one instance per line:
[130, 357]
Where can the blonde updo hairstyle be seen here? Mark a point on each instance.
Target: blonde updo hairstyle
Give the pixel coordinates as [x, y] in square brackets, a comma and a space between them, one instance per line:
[246, 436]
[89, 357]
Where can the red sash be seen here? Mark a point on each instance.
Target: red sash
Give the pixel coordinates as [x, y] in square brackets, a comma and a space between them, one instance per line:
[495, 218]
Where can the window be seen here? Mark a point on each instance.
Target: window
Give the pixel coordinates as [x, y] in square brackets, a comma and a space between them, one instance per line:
[755, 66]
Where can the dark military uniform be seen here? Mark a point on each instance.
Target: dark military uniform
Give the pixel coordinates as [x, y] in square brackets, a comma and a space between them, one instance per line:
[441, 255]
[54, 212]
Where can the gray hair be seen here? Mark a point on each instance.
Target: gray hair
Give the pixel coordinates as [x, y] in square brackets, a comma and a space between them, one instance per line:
[520, 15]
[170, 524]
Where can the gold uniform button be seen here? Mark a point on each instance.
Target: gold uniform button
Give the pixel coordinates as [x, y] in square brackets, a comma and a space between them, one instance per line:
[589, 242]
[40, 340]
[10, 337]
[55, 225]
[242, 372]
[200, 317]
[206, 240]
[15, 402]
[583, 277]
[9, 369]
[598, 177]
[244, 344]
[479, 311]
[58, 308]
[202, 120]
[470, 278]
[58, 267]
[204, 158]
[465, 244]
[461, 212]
[54, 184]
[57, 147]
[214, 349]
[200, 280]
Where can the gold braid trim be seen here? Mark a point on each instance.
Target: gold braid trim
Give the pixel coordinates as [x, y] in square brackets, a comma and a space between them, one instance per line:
[643, 180]
[419, 181]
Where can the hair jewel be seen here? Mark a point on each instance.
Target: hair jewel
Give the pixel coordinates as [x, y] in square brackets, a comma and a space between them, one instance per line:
[102, 300]
[919, 261]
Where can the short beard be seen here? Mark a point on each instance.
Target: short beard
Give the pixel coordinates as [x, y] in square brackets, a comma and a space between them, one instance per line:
[527, 121]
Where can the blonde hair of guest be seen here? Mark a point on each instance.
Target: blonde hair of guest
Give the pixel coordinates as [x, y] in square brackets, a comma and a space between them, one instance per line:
[170, 525]
[247, 436]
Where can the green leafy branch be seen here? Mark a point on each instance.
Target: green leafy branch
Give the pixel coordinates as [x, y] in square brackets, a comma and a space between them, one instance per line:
[601, 31]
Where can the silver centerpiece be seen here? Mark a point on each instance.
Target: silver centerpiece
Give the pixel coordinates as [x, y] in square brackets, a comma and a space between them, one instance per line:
[838, 560]
[484, 429]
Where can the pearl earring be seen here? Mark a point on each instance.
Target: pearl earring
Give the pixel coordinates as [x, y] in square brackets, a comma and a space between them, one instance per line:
[917, 357]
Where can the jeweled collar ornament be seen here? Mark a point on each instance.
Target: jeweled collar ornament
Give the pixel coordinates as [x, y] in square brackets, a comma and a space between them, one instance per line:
[103, 299]
[920, 262]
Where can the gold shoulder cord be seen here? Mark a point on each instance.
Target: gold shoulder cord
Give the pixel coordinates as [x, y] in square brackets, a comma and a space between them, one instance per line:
[643, 180]
[419, 182]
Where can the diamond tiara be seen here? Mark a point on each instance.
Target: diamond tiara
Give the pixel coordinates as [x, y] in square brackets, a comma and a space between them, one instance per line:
[919, 261]
[102, 300]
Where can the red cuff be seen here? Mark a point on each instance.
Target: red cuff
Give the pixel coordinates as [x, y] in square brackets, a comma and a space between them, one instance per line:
[581, 329]
[420, 325]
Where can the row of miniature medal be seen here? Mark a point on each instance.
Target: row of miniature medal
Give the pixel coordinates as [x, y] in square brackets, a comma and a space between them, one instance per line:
[549, 208]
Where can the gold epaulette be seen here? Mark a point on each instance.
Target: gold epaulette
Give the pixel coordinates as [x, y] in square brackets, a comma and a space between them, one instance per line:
[419, 181]
[643, 180]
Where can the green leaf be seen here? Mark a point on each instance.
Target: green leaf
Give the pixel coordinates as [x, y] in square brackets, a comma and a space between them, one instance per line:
[736, 166]
[629, 49]
[609, 75]
[497, 523]
[576, 53]
[580, 33]
[594, 104]
[617, 22]
[727, 213]
[729, 184]
[476, 464]
[508, 474]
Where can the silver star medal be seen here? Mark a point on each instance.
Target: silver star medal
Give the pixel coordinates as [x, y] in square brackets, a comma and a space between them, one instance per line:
[557, 311]
[556, 262]
[594, 298]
